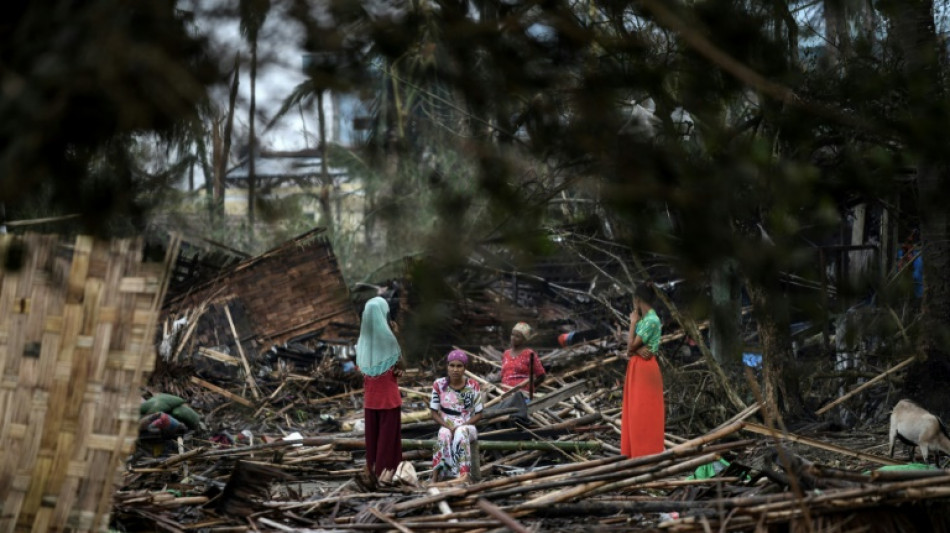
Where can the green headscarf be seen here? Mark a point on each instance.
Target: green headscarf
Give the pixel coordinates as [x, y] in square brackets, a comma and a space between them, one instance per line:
[377, 349]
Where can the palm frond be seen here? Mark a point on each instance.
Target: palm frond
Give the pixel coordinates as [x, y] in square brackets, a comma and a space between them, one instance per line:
[304, 91]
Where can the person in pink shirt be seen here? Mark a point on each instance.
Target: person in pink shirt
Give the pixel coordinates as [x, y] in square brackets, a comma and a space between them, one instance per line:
[519, 362]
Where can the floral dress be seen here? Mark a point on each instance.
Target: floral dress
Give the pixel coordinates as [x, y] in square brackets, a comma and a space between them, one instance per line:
[453, 452]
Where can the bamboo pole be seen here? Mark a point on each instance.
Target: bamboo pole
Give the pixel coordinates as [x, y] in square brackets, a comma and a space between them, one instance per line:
[474, 355]
[495, 512]
[509, 446]
[223, 392]
[591, 488]
[378, 514]
[867, 384]
[357, 444]
[501, 482]
[590, 366]
[685, 466]
[762, 430]
[470, 525]
[608, 473]
[334, 397]
[248, 375]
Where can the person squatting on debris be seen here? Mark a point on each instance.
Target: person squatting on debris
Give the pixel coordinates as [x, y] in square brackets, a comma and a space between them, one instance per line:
[642, 420]
[522, 367]
[378, 358]
[456, 405]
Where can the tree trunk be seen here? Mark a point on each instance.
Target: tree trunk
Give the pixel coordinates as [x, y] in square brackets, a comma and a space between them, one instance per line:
[326, 209]
[221, 163]
[252, 140]
[781, 373]
[725, 290]
[837, 36]
[912, 25]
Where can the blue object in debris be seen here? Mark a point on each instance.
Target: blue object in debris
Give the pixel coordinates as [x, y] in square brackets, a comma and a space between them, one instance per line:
[752, 359]
[348, 366]
[917, 273]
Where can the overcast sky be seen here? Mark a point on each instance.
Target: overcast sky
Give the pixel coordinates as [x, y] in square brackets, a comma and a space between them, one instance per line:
[279, 71]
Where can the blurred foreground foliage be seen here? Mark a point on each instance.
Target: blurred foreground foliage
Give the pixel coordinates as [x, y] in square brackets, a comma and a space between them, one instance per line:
[716, 133]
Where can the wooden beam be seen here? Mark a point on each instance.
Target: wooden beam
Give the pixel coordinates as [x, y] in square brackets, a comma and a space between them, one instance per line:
[553, 398]
[227, 394]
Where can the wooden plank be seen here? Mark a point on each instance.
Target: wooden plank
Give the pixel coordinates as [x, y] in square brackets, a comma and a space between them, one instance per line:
[553, 398]
[219, 356]
[223, 392]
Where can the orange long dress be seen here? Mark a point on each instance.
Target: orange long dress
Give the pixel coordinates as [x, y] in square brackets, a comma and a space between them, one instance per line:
[643, 419]
[642, 422]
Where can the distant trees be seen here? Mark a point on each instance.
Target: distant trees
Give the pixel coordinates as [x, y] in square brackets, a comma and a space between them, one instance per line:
[487, 112]
[80, 77]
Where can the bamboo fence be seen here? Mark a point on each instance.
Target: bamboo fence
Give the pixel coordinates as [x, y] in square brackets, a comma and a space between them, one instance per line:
[77, 321]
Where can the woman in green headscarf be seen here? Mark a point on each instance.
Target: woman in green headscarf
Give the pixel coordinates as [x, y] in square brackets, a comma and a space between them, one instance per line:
[378, 357]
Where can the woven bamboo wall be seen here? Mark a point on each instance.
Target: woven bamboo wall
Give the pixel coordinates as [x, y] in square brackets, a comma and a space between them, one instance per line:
[77, 321]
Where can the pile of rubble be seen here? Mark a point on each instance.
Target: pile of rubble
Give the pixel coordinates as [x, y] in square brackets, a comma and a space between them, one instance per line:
[298, 467]
[283, 449]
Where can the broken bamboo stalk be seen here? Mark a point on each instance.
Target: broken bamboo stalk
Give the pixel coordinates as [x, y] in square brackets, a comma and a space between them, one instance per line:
[479, 357]
[762, 430]
[867, 384]
[625, 468]
[334, 397]
[500, 515]
[590, 366]
[501, 482]
[505, 393]
[379, 514]
[511, 445]
[591, 486]
[432, 525]
[442, 504]
[685, 466]
[223, 392]
[248, 375]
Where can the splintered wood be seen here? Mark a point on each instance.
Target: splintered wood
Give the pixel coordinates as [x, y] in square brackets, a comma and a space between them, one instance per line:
[560, 471]
[77, 321]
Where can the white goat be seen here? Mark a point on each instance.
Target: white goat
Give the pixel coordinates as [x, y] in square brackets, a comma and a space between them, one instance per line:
[915, 426]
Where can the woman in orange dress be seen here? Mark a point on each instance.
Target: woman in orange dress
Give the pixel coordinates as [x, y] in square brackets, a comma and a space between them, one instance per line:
[642, 422]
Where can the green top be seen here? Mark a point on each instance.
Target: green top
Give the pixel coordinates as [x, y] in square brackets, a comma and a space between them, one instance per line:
[649, 329]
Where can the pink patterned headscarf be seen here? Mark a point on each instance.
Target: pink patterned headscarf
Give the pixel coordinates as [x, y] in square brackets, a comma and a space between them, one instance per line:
[457, 355]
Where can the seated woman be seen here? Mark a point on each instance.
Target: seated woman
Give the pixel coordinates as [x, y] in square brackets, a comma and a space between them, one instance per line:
[520, 363]
[456, 405]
